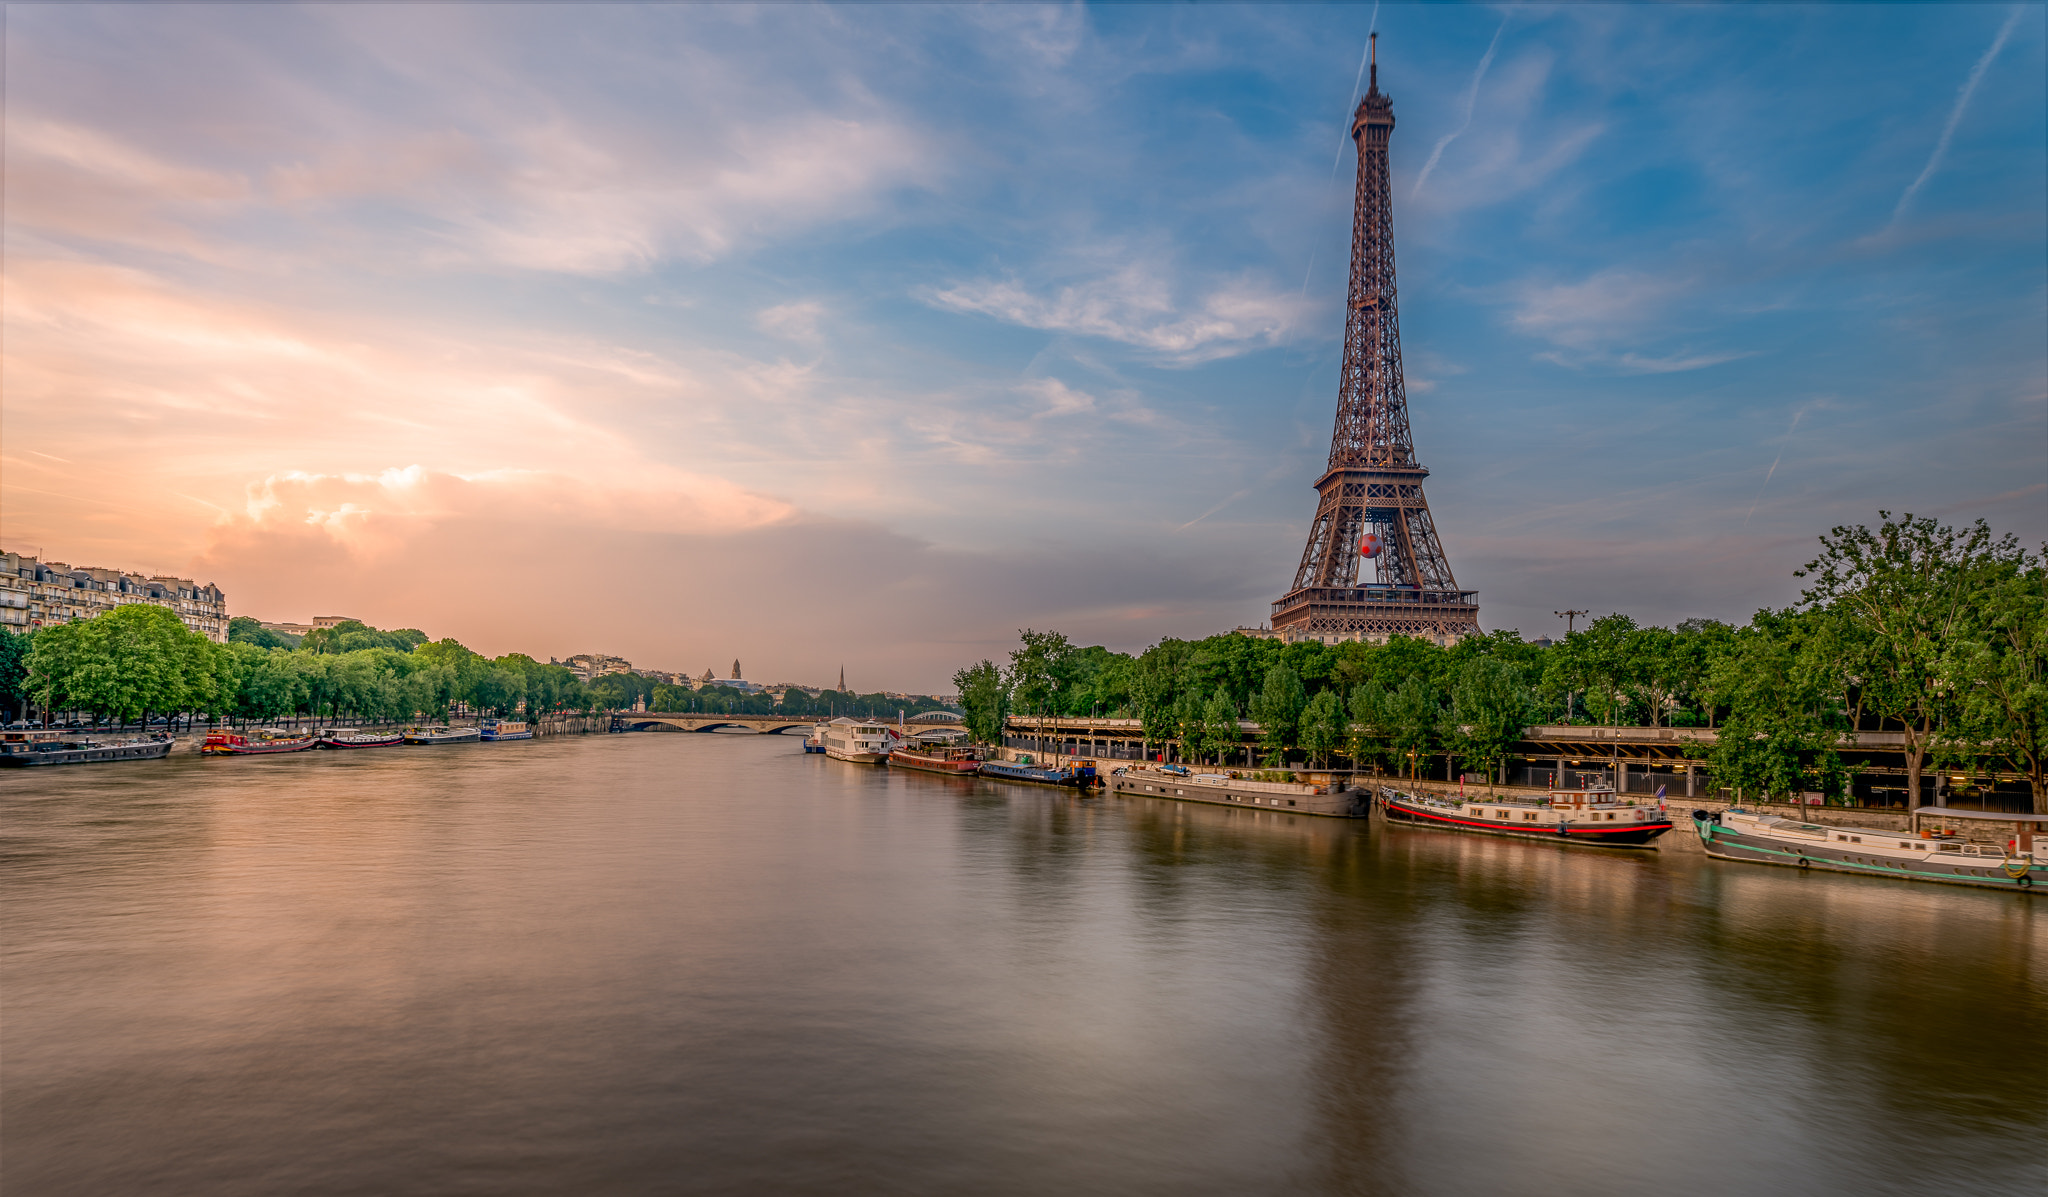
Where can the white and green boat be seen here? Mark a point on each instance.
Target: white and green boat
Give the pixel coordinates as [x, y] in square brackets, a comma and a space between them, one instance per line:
[1736, 834]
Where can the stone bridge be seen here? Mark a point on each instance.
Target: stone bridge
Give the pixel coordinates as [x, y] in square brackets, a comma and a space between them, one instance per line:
[766, 725]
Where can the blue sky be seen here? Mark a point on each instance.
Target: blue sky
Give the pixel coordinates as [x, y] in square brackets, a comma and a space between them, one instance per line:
[873, 333]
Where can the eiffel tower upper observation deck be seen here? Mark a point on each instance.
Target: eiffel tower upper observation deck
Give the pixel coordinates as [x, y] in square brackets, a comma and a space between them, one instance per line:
[1373, 566]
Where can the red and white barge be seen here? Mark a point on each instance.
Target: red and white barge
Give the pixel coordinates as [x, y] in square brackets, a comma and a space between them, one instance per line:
[261, 741]
[1595, 815]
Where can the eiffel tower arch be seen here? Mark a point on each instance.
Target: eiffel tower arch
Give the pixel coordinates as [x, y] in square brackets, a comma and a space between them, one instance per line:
[1373, 566]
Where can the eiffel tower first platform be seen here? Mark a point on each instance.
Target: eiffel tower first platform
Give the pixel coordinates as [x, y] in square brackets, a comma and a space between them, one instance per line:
[1373, 567]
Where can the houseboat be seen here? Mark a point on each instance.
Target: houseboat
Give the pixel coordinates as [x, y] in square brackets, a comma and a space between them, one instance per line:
[814, 741]
[960, 762]
[862, 743]
[1595, 815]
[1334, 798]
[505, 729]
[1077, 774]
[349, 737]
[50, 747]
[2020, 863]
[440, 733]
[258, 742]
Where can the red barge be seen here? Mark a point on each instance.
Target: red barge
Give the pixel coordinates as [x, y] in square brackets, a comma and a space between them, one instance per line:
[1595, 815]
[262, 740]
[960, 762]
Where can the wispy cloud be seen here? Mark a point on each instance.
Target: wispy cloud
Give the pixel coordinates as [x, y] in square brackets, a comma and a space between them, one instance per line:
[796, 320]
[1471, 105]
[1955, 115]
[1138, 306]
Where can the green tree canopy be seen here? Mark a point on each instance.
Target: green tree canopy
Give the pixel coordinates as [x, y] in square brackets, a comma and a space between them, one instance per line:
[135, 659]
[985, 696]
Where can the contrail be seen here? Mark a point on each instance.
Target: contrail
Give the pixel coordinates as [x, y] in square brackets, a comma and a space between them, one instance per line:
[1471, 103]
[1774, 466]
[1955, 116]
[1357, 83]
[1213, 510]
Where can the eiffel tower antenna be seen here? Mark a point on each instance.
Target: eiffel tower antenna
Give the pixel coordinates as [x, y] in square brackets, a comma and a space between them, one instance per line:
[1373, 566]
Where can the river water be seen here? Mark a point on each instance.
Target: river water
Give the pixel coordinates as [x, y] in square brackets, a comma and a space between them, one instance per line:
[713, 964]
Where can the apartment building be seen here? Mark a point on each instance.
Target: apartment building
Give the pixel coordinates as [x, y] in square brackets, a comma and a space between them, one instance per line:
[589, 666]
[36, 594]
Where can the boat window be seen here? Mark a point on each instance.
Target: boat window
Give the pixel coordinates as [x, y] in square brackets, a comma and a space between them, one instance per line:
[1855, 839]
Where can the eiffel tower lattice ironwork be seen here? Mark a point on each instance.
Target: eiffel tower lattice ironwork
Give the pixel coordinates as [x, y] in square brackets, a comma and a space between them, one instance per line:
[1373, 566]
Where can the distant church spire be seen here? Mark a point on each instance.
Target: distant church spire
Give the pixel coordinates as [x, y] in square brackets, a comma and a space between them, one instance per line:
[842, 679]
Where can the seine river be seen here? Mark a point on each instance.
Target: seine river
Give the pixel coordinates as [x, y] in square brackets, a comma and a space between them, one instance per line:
[712, 964]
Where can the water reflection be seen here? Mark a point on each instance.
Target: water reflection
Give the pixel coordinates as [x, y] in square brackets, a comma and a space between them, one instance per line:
[713, 964]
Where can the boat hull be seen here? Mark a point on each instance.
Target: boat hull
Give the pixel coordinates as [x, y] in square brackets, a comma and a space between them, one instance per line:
[260, 748]
[525, 735]
[1011, 771]
[467, 735]
[391, 741]
[1725, 843]
[1341, 804]
[97, 754]
[1621, 835]
[858, 758]
[911, 760]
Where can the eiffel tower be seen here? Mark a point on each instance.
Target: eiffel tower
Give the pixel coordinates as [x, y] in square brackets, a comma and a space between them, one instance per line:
[1373, 567]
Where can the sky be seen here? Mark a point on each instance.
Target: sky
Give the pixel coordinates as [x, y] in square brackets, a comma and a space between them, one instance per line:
[863, 336]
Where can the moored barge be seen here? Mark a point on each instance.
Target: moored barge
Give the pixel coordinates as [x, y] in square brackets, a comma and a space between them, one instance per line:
[262, 741]
[1595, 815]
[441, 733]
[1336, 799]
[505, 729]
[348, 737]
[42, 747]
[958, 762]
[1076, 774]
[1736, 834]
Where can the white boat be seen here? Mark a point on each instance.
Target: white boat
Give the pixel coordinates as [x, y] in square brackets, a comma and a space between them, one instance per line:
[1737, 834]
[863, 743]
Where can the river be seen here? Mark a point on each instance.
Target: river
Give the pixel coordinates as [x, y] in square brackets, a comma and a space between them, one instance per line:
[713, 964]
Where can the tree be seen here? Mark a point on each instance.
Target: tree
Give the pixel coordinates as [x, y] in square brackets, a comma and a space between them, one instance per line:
[1411, 715]
[1594, 665]
[1041, 668]
[1322, 726]
[2000, 668]
[126, 662]
[1219, 725]
[244, 630]
[1366, 734]
[1906, 591]
[1156, 688]
[1489, 711]
[1277, 708]
[14, 649]
[985, 697]
[1187, 726]
[1781, 683]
